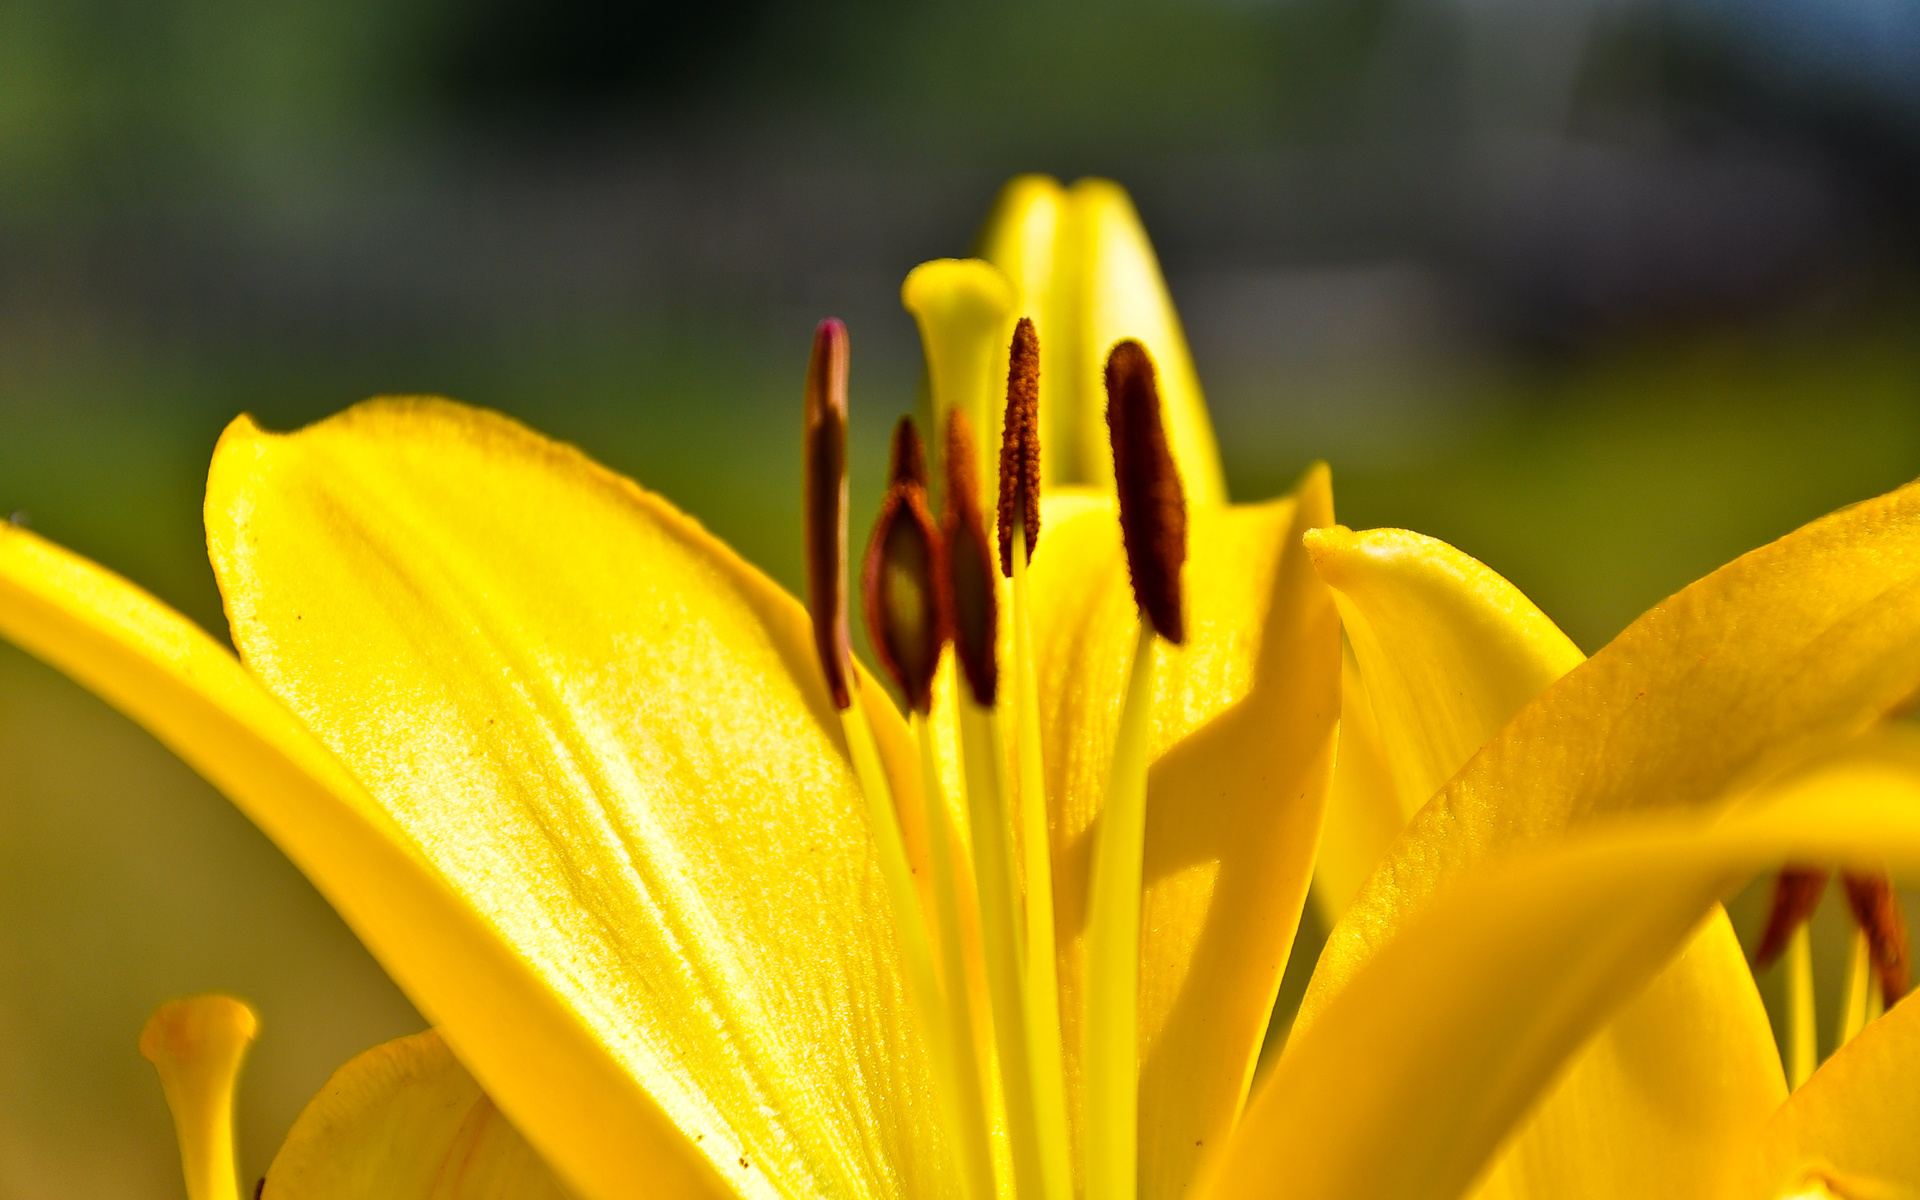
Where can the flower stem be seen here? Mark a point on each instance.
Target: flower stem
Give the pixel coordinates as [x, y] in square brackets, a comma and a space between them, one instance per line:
[970, 1128]
[1043, 971]
[1111, 1051]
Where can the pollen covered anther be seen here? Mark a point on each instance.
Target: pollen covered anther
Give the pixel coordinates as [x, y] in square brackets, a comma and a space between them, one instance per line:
[972, 601]
[1153, 508]
[900, 578]
[824, 442]
[1876, 909]
[1020, 445]
[1796, 893]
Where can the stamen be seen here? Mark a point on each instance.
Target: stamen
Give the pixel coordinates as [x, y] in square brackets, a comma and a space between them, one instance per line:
[824, 444]
[1020, 445]
[973, 599]
[904, 612]
[1796, 893]
[197, 1046]
[1153, 509]
[1876, 909]
[1853, 1009]
[1803, 1045]
[1153, 526]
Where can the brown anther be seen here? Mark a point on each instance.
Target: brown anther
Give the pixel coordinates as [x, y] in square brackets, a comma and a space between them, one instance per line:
[907, 462]
[1153, 509]
[1020, 445]
[899, 581]
[1796, 893]
[972, 600]
[824, 443]
[1876, 909]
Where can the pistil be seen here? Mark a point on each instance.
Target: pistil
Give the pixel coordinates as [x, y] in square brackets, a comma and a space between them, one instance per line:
[197, 1046]
[907, 617]
[1153, 529]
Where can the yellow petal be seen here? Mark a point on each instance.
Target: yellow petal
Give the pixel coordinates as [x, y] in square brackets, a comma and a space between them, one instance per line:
[1095, 284]
[1851, 1126]
[1463, 1019]
[589, 1115]
[610, 735]
[1772, 657]
[1243, 718]
[1449, 650]
[1363, 807]
[404, 1121]
[197, 1045]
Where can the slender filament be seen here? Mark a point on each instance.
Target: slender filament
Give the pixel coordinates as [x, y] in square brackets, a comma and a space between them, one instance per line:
[916, 949]
[1043, 970]
[1860, 984]
[1803, 1051]
[1001, 935]
[1111, 1050]
[970, 1128]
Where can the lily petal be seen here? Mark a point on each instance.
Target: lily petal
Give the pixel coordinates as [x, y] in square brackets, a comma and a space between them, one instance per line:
[1464, 1018]
[1097, 283]
[404, 1121]
[1363, 805]
[1768, 660]
[593, 1120]
[1243, 718]
[1449, 650]
[610, 735]
[1852, 1124]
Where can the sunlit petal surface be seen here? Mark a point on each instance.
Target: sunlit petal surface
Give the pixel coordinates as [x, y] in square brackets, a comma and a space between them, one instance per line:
[1417, 1069]
[1243, 720]
[610, 736]
[583, 1108]
[404, 1121]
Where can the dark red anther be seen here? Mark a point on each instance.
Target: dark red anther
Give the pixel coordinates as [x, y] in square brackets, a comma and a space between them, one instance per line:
[1020, 445]
[824, 443]
[1153, 508]
[1876, 909]
[1796, 893]
[901, 576]
[972, 600]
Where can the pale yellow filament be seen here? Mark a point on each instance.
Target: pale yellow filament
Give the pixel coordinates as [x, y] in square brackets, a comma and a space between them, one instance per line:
[1803, 1051]
[1111, 1050]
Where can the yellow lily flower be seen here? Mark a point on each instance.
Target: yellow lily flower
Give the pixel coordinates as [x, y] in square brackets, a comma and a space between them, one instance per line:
[570, 769]
[574, 773]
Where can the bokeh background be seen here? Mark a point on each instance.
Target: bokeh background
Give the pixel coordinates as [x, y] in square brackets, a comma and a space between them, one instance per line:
[1603, 291]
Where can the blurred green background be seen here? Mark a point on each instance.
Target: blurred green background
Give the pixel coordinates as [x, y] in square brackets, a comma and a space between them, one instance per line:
[1603, 291]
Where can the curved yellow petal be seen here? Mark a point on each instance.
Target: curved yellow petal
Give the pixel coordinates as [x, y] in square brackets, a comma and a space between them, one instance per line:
[404, 1121]
[197, 1045]
[1770, 658]
[1449, 650]
[1243, 718]
[1363, 806]
[1852, 1125]
[610, 735]
[1418, 1068]
[589, 1115]
[1083, 268]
